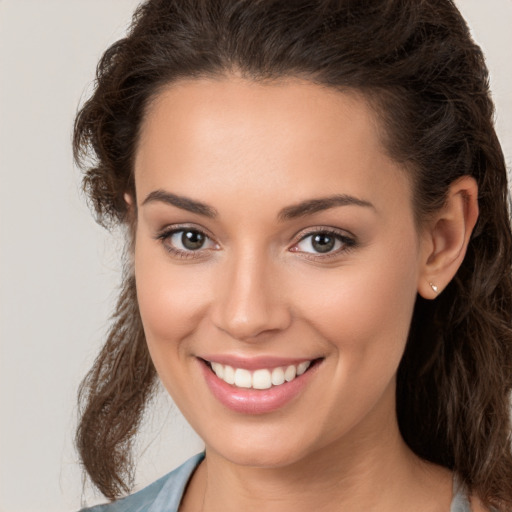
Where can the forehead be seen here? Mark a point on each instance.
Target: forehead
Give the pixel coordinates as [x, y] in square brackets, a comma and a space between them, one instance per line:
[291, 135]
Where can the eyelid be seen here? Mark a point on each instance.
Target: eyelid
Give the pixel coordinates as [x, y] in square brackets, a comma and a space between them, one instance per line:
[344, 233]
[173, 228]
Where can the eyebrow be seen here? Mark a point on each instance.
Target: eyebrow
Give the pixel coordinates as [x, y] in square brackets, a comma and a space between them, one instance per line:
[301, 209]
[182, 202]
[323, 203]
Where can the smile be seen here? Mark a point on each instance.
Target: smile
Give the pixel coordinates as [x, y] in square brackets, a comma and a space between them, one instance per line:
[261, 378]
[257, 386]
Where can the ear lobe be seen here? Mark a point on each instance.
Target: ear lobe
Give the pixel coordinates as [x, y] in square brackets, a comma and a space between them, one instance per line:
[446, 238]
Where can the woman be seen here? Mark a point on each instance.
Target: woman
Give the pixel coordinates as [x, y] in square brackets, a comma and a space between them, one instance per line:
[319, 257]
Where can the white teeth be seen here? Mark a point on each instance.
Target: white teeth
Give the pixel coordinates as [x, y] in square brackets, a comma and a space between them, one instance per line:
[277, 376]
[259, 379]
[302, 367]
[243, 378]
[290, 373]
[218, 369]
[229, 375]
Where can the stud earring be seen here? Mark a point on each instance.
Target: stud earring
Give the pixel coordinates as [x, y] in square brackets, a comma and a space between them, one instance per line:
[434, 287]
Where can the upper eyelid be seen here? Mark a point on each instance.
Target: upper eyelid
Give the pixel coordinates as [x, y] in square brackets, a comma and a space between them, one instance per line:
[176, 228]
[323, 229]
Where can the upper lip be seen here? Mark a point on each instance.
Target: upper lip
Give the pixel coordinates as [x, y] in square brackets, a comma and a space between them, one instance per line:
[257, 362]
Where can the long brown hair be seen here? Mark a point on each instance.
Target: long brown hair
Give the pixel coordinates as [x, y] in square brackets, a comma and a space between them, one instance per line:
[417, 65]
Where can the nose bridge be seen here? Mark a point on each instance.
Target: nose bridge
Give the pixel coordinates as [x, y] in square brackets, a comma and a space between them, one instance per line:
[249, 302]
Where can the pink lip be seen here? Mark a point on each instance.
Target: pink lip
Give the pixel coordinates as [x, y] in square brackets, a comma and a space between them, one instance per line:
[255, 401]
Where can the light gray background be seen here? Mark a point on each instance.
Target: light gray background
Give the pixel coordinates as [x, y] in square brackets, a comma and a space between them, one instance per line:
[59, 271]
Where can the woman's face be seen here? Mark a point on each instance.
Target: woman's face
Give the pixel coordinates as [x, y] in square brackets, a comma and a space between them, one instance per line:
[273, 234]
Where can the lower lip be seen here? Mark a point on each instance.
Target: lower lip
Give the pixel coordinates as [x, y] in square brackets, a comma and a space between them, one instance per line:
[255, 401]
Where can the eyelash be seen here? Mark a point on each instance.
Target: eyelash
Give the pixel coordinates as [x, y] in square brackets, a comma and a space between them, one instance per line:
[347, 242]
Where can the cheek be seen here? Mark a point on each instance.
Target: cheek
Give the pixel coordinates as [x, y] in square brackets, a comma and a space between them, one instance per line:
[171, 297]
[172, 300]
[364, 308]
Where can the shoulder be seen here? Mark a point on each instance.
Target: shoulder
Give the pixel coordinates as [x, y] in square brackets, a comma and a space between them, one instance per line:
[164, 492]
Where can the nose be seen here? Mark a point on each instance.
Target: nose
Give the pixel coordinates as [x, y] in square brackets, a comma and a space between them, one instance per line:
[249, 300]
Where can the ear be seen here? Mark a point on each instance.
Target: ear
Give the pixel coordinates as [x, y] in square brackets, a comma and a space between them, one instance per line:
[128, 199]
[445, 238]
[130, 205]
[131, 225]
[131, 212]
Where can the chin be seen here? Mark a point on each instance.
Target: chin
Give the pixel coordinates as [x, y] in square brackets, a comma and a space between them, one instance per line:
[263, 449]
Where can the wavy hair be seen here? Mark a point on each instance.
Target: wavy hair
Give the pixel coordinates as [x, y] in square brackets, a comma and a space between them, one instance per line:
[417, 65]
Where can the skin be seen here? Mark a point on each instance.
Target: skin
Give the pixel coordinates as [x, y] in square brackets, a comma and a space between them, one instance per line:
[257, 287]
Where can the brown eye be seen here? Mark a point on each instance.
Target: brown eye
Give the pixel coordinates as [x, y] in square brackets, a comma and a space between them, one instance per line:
[323, 242]
[192, 240]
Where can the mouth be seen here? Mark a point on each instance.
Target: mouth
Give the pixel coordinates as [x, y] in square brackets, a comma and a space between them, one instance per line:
[261, 389]
[261, 378]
